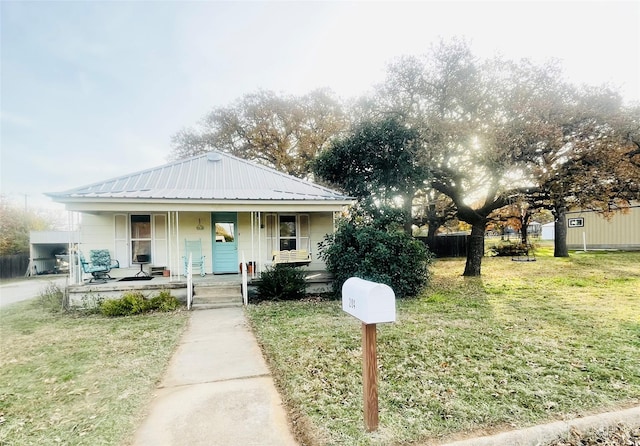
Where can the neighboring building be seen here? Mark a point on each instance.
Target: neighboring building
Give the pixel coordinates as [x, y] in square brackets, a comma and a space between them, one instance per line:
[48, 252]
[534, 229]
[234, 207]
[548, 231]
[622, 231]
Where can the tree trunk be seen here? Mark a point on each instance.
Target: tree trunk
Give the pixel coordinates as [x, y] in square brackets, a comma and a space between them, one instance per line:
[524, 228]
[524, 237]
[560, 237]
[475, 249]
[431, 233]
[408, 209]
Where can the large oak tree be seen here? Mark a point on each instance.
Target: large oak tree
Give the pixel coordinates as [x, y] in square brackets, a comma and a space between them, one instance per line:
[578, 144]
[494, 131]
[281, 131]
[461, 107]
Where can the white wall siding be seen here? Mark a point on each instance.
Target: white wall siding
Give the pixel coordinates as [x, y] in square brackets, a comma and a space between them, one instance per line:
[97, 232]
[189, 222]
[321, 225]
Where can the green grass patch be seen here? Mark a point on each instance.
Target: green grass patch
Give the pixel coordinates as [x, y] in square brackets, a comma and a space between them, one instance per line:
[79, 380]
[526, 343]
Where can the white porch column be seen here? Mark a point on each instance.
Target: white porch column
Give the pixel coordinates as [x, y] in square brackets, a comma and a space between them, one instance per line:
[174, 252]
[252, 216]
[258, 267]
[75, 268]
[169, 250]
[177, 220]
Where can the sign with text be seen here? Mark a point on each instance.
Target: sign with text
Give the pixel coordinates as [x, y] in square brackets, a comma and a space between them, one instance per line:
[576, 222]
[371, 302]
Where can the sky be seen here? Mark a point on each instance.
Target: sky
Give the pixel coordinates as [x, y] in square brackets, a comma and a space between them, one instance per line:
[90, 90]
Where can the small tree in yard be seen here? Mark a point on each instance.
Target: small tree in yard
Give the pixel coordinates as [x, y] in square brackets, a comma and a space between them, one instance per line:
[375, 247]
[377, 164]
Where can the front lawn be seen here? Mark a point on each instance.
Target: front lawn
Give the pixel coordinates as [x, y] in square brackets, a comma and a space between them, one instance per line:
[67, 379]
[526, 343]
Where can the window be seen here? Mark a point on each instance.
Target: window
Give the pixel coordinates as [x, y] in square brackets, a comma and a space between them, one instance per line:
[141, 238]
[225, 232]
[287, 231]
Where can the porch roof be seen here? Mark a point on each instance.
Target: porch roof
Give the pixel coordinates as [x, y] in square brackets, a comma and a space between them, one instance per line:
[212, 177]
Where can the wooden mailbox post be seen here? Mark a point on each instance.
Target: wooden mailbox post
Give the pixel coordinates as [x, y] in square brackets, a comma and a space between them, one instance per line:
[373, 303]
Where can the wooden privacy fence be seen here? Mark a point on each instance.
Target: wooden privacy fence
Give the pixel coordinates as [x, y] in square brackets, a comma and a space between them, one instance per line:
[13, 266]
[447, 245]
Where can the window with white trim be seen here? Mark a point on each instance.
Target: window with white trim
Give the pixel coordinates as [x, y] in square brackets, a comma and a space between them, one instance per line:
[287, 232]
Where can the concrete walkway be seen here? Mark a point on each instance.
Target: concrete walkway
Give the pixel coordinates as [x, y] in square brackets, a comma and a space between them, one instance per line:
[217, 391]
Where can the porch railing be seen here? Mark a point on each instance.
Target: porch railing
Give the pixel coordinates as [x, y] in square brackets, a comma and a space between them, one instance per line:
[189, 281]
[245, 293]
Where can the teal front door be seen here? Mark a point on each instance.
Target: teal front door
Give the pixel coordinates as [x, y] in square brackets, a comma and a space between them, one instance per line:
[225, 242]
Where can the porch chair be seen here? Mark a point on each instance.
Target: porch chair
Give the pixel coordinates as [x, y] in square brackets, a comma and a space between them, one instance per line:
[100, 265]
[194, 247]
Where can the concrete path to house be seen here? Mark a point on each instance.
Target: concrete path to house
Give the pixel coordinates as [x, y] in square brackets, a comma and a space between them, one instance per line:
[21, 289]
[217, 390]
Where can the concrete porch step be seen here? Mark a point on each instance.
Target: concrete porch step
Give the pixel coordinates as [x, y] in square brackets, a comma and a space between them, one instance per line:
[225, 289]
[210, 306]
[217, 296]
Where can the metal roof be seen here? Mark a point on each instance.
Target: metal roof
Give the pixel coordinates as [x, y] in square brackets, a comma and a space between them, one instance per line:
[211, 176]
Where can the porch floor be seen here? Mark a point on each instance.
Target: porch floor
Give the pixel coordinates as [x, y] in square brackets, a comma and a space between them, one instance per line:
[158, 282]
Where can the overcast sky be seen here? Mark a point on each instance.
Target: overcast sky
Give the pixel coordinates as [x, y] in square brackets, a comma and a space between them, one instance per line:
[91, 90]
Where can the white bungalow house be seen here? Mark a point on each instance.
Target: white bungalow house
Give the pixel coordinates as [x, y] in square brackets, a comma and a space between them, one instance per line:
[231, 207]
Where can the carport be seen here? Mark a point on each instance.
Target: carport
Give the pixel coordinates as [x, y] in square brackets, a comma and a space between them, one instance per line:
[48, 251]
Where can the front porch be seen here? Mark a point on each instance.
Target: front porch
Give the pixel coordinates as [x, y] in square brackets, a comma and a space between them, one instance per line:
[210, 291]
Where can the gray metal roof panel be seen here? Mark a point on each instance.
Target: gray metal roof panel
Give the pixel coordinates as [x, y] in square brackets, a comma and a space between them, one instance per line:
[228, 178]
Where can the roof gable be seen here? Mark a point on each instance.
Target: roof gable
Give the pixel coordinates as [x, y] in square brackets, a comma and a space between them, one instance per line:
[211, 176]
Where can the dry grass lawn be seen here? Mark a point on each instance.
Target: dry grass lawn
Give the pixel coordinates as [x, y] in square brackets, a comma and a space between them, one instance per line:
[79, 380]
[526, 343]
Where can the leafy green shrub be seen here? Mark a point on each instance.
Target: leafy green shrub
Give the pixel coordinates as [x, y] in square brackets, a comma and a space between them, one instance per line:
[282, 282]
[164, 302]
[134, 302]
[52, 298]
[377, 251]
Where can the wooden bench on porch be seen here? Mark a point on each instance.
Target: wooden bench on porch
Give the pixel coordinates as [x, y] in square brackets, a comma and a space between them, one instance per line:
[293, 257]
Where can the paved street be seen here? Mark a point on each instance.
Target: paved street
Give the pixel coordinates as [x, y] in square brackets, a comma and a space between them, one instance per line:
[18, 290]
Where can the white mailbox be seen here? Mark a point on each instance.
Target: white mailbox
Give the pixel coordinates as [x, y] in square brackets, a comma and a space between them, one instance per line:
[371, 302]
